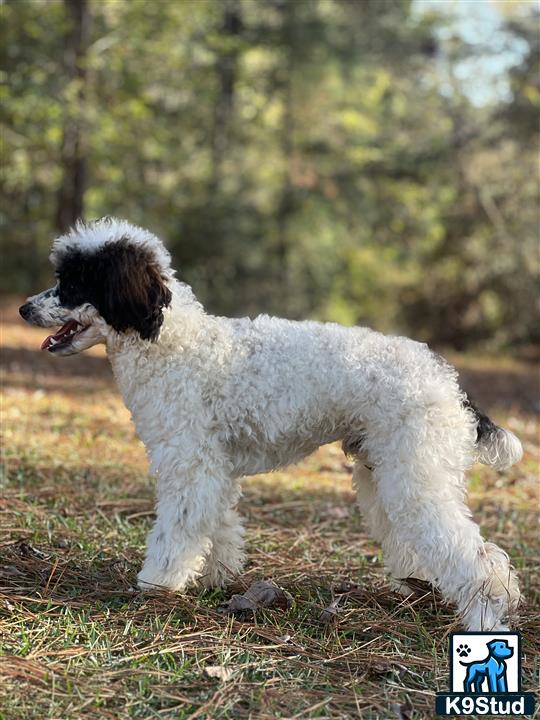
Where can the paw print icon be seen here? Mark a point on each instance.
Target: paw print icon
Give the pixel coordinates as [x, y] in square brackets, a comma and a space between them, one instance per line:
[463, 650]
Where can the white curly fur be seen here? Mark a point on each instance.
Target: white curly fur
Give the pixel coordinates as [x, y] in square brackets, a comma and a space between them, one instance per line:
[215, 399]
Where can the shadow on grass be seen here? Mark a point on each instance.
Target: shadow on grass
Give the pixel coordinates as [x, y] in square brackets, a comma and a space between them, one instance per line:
[47, 576]
[35, 370]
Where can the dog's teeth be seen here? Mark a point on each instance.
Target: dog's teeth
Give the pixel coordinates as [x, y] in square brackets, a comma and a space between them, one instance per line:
[52, 341]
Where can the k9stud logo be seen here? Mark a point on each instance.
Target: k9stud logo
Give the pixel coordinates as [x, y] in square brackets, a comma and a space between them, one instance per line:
[485, 676]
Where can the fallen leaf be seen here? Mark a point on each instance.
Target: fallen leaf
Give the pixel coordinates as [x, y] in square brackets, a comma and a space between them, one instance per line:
[260, 594]
[338, 512]
[219, 671]
[9, 571]
[240, 603]
[27, 550]
[329, 614]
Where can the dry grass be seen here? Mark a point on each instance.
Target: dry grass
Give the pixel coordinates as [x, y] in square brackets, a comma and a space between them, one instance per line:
[77, 642]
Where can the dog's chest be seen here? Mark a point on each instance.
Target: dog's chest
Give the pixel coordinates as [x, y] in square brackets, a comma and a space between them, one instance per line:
[164, 398]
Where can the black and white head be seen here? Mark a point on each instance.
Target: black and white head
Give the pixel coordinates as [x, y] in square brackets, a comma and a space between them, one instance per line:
[112, 277]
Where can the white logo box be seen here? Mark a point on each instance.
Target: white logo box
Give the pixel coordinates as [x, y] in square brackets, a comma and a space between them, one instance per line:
[476, 643]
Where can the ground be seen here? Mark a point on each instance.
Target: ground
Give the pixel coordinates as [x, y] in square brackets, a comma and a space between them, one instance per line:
[78, 642]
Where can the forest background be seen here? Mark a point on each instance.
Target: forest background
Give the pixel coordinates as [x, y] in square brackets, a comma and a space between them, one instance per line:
[369, 162]
[365, 161]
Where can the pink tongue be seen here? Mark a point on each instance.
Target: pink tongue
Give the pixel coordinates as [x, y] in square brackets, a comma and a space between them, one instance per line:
[70, 325]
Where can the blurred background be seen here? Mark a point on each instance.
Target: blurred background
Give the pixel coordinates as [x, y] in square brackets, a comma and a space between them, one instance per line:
[364, 161]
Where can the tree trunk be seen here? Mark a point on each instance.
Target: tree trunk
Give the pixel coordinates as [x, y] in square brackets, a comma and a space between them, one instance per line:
[286, 202]
[70, 200]
[226, 65]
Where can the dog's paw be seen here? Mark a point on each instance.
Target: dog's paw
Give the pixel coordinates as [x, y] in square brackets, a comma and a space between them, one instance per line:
[147, 585]
[463, 650]
[151, 577]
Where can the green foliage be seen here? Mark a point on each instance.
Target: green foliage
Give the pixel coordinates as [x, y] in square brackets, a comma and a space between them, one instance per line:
[306, 158]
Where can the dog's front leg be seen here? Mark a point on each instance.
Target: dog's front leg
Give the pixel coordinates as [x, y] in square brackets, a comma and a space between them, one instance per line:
[227, 556]
[190, 500]
[500, 683]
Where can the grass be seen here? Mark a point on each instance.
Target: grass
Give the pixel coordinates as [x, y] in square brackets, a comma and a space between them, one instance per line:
[78, 642]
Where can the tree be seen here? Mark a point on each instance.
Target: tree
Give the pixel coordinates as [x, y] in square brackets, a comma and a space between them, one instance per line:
[315, 158]
[72, 153]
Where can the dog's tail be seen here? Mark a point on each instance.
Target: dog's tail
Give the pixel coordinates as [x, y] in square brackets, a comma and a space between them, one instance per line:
[495, 446]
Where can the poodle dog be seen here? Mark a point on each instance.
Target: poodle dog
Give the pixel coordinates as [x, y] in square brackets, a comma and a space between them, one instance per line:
[214, 399]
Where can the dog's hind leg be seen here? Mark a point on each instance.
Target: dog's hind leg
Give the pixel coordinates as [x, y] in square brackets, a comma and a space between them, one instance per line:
[398, 565]
[419, 473]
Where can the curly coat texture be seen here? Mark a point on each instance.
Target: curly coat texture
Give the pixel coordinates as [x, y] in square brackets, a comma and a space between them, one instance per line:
[214, 399]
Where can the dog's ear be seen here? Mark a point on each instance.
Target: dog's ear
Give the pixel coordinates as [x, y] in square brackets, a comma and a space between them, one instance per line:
[129, 289]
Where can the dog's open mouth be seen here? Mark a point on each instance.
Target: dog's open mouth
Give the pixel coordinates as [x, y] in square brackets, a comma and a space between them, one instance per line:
[63, 336]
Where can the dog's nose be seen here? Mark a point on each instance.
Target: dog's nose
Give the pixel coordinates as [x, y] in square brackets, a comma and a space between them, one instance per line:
[25, 311]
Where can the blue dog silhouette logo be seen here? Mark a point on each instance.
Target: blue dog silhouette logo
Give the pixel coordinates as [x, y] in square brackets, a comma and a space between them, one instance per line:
[485, 677]
[489, 674]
